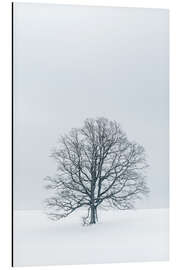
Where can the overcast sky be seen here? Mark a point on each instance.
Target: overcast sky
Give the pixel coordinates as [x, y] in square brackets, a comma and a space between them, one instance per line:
[75, 62]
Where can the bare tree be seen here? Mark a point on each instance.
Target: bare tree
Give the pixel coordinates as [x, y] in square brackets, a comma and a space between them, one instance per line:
[96, 166]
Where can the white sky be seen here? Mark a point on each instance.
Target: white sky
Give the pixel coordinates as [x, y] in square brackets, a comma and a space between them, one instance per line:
[75, 62]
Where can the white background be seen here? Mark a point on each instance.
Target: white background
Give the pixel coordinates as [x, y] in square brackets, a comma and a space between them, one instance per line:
[5, 133]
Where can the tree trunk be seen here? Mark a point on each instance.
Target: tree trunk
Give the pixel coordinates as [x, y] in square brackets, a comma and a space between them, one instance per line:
[93, 215]
[92, 207]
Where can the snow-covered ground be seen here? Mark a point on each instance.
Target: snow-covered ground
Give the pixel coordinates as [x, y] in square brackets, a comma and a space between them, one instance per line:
[120, 236]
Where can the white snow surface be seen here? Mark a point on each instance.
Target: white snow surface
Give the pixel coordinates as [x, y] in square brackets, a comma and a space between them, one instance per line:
[119, 236]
